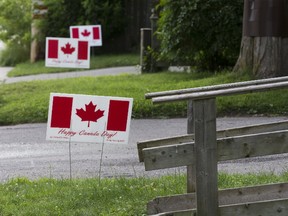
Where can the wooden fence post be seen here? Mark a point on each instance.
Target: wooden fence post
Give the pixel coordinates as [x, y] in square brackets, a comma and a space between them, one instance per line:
[191, 177]
[206, 156]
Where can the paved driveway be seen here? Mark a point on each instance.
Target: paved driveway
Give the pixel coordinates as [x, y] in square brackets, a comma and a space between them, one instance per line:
[25, 152]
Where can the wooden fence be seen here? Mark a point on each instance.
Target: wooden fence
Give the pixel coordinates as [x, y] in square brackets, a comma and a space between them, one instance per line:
[200, 152]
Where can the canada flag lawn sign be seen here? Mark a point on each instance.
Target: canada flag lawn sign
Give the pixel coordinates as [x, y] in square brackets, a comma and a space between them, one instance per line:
[89, 118]
[67, 52]
[92, 33]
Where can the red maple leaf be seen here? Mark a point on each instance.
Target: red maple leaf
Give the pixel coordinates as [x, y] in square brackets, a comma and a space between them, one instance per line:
[67, 49]
[85, 33]
[90, 114]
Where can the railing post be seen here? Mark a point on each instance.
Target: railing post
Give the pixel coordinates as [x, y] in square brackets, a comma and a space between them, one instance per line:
[191, 178]
[206, 156]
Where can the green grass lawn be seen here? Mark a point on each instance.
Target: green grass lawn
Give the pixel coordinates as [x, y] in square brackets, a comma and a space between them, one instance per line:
[109, 197]
[27, 102]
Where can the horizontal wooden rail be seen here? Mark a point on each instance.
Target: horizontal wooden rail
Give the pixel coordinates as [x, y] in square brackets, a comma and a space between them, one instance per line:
[221, 92]
[252, 129]
[215, 87]
[162, 142]
[263, 208]
[229, 148]
[226, 197]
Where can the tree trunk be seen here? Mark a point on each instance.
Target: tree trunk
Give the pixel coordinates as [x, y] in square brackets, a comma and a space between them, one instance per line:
[264, 57]
[264, 46]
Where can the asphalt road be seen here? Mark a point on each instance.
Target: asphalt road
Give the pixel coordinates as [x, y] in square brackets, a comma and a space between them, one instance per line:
[24, 152]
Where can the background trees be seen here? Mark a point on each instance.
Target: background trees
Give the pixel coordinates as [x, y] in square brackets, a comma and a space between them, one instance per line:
[205, 34]
[62, 14]
[202, 33]
[15, 27]
[16, 19]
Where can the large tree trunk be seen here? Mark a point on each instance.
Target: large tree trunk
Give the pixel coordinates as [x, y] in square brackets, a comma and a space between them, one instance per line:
[264, 46]
[264, 57]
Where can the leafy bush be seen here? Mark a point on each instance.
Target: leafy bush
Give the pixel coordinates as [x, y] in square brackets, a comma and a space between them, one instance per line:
[107, 13]
[15, 28]
[62, 14]
[205, 33]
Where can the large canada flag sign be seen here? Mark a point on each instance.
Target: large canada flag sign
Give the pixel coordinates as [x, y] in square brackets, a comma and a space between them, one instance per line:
[67, 52]
[87, 118]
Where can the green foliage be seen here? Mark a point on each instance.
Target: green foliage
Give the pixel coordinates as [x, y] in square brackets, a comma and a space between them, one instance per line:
[15, 28]
[150, 58]
[61, 15]
[204, 33]
[107, 13]
[14, 53]
[65, 13]
[16, 19]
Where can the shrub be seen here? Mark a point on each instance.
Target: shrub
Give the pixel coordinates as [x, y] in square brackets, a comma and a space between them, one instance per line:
[63, 14]
[205, 33]
[15, 28]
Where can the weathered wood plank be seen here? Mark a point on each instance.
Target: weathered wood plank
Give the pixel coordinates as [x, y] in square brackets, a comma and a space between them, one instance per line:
[252, 129]
[261, 208]
[221, 92]
[169, 156]
[256, 145]
[226, 197]
[206, 156]
[162, 142]
[229, 148]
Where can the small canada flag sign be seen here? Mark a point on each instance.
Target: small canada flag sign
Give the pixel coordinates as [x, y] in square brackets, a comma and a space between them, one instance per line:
[67, 52]
[87, 118]
[92, 33]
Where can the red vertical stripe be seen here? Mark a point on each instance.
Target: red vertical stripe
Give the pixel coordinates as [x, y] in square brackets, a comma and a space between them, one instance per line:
[83, 50]
[118, 115]
[61, 112]
[96, 33]
[75, 33]
[52, 48]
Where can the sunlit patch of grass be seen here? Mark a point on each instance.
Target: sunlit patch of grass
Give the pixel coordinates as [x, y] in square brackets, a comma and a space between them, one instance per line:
[111, 196]
[27, 102]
